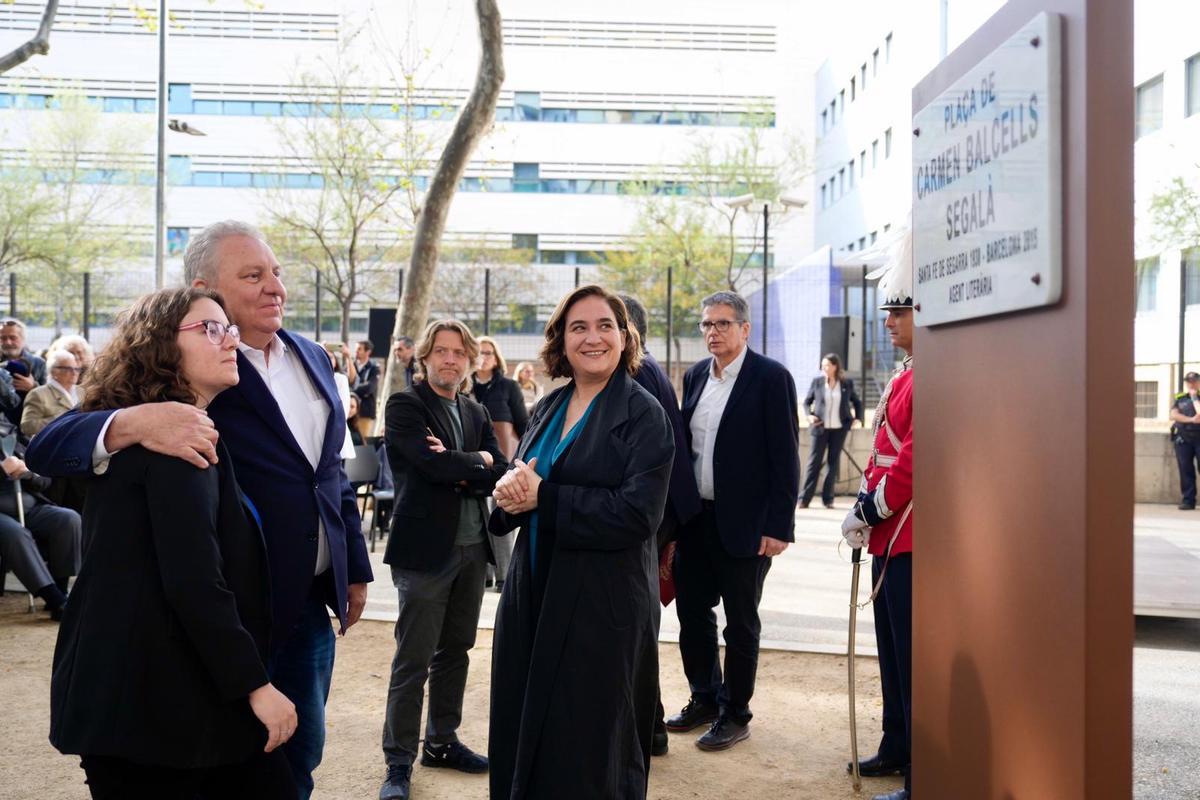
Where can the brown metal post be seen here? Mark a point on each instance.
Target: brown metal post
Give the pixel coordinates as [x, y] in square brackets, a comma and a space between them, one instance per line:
[1023, 498]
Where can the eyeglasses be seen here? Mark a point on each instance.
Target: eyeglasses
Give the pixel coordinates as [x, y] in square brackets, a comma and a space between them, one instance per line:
[722, 325]
[216, 330]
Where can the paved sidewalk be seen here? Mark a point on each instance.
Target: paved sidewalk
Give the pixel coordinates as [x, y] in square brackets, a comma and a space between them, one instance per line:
[805, 603]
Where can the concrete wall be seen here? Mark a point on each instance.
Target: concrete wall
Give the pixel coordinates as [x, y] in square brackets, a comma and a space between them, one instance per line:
[1155, 475]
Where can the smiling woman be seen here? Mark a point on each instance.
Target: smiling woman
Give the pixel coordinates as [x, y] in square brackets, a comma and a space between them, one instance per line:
[577, 626]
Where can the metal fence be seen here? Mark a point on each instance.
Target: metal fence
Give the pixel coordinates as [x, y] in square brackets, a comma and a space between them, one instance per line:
[510, 303]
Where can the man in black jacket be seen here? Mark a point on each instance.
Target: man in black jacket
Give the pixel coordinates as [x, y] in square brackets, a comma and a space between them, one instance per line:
[445, 460]
[366, 386]
[744, 437]
[683, 501]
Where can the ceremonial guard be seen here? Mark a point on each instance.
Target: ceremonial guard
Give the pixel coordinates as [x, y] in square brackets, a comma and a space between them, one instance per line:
[881, 522]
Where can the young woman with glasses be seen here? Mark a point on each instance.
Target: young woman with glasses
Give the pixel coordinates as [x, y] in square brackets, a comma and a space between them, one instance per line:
[159, 678]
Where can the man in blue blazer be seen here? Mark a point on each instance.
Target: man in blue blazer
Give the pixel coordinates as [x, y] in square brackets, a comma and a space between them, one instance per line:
[283, 425]
[741, 417]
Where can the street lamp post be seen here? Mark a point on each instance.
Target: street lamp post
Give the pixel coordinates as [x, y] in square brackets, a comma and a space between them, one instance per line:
[788, 202]
[160, 185]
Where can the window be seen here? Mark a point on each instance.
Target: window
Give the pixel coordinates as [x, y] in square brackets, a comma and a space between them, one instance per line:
[887, 227]
[862, 78]
[1149, 107]
[525, 241]
[1145, 399]
[1146, 271]
[874, 236]
[853, 89]
[179, 98]
[145, 105]
[119, 104]
[179, 170]
[887, 49]
[525, 178]
[862, 242]
[1191, 101]
[1191, 275]
[841, 181]
[851, 165]
[833, 113]
[875, 62]
[527, 106]
[842, 101]
[824, 120]
[887, 143]
[850, 247]
[824, 196]
[874, 154]
[862, 163]
[177, 239]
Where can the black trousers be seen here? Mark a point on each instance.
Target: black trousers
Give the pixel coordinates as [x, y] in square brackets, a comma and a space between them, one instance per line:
[893, 637]
[1187, 454]
[705, 575]
[267, 776]
[823, 440]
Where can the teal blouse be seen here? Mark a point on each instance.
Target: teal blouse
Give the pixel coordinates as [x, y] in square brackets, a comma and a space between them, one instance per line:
[547, 449]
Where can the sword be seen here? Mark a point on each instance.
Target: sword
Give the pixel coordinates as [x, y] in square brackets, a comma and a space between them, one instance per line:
[855, 558]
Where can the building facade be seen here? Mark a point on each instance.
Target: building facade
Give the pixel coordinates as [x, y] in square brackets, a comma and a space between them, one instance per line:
[595, 97]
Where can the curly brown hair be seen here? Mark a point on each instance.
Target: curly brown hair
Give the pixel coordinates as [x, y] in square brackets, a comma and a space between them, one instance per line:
[554, 354]
[142, 362]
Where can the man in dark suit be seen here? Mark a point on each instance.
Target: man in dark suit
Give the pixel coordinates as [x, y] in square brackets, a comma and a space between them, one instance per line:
[446, 460]
[743, 434]
[284, 429]
[28, 370]
[366, 386]
[683, 500]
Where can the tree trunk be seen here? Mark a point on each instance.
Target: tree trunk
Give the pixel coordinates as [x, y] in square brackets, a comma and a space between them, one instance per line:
[38, 45]
[474, 120]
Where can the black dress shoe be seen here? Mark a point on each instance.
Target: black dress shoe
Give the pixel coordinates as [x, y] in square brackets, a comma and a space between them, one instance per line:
[1187, 506]
[396, 784]
[878, 767]
[899, 794]
[693, 715]
[659, 743]
[804, 503]
[454, 755]
[723, 734]
[828, 505]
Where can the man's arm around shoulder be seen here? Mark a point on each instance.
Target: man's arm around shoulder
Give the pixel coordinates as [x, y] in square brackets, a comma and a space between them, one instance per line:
[76, 441]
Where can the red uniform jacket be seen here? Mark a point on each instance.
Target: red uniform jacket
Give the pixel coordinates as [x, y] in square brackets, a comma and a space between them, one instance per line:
[887, 480]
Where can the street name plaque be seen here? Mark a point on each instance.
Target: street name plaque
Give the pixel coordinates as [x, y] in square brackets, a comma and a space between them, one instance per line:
[987, 184]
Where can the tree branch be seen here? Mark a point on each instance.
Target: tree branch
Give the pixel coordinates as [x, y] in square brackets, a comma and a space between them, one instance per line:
[38, 45]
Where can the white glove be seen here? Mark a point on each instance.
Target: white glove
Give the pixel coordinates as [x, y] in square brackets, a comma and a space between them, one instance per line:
[855, 531]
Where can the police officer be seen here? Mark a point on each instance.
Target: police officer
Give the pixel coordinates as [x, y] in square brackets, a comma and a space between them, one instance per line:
[1185, 413]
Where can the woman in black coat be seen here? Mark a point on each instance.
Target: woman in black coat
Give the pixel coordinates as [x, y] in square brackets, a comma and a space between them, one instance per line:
[500, 395]
[575, 661]
[159, 675]
[828, 403]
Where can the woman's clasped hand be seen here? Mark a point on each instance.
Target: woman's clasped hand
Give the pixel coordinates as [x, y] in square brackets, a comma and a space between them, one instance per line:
[517, 491]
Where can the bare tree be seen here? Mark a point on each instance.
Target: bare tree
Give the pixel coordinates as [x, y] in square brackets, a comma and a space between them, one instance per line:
[354, 217]
[473, 121]
[39, 45]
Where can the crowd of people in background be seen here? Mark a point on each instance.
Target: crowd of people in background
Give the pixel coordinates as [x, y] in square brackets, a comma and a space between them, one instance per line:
[209, 442]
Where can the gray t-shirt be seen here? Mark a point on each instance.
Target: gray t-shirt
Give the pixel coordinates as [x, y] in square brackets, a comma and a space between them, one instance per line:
[470, 518]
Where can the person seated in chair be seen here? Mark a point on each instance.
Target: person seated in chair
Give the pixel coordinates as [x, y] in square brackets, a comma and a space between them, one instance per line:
[44, 552]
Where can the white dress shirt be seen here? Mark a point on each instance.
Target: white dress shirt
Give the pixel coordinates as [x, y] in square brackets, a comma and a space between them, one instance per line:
[303, 407]
[706, 419]
[833, 405]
